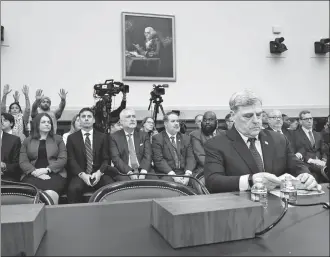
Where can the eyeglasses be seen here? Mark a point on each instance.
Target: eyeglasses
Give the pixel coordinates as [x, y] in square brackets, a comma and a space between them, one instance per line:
[307, 119]
[276, 117]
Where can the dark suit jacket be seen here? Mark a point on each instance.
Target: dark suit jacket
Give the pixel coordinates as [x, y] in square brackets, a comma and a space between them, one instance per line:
[198, 139]
[304, 146]
[228, 158]
[10, 148]
[163, 154]
[288, 134]
[56, 155]
[77, 161]
[120, 154]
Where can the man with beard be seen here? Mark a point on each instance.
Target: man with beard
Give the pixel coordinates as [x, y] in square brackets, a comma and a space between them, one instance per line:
[200, 136]
[43, 103]
[235, 159]
[172, 152]
[276, 123]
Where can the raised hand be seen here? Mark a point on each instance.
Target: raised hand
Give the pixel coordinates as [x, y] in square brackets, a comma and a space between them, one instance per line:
[16, 96]
[39, 94]
[62, 94]
[25, 90]
[6, 90]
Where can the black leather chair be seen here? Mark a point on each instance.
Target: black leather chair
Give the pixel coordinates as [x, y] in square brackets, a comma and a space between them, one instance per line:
[21, 193]
[196, 186]
[140, 189]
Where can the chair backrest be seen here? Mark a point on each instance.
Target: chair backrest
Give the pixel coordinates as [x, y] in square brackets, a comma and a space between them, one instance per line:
[196, 186]
[15, 194]
[140, 189]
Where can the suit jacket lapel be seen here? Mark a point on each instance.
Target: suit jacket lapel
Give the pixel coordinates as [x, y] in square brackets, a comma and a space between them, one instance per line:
[168, 142]
[137, 144]
[96, 142]
[81, 142]
[267, 147]
[242, 149]
[124, 144]
[305, 137]
[3, 143]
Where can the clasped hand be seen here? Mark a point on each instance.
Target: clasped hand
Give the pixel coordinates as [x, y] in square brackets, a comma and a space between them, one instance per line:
[41, 173]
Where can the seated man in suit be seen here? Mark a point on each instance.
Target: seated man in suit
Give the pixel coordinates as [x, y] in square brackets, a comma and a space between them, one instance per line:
[236, 158]
[88, 158]
[309, 145]
[10, 148]
[275, 123]
[229, 121]
[200, 136]
[130, 149]
[198, 121]
[172, 152]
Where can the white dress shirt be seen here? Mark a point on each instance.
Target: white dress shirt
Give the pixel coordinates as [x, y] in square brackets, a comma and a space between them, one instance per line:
[129, 157]
[244, 180]
[307, 131]
[90, 136]
[169, 135]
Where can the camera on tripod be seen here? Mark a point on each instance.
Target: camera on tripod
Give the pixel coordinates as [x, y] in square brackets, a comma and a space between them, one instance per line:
[159, 90]
[110, 87]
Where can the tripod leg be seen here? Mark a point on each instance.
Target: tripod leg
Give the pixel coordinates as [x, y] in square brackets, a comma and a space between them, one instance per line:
[162, 109]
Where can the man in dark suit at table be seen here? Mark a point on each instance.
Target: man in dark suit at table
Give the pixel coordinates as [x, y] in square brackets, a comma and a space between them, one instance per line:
[88, 158]
[309, 145]
[10, 149]
[200, 136]
[234, 160]
[172, 152]
[130, 149]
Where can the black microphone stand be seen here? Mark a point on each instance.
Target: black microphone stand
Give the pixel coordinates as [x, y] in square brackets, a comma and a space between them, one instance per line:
[204, 189]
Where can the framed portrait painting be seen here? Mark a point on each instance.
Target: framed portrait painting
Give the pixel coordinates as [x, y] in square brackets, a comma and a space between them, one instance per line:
[148, 42]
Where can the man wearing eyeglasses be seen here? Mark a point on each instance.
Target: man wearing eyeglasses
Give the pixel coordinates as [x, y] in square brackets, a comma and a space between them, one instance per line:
[235, 159]
[309, 145]
[275, 122]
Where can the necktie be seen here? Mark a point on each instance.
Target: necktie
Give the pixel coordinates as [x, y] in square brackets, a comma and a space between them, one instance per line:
[89, 154]
[175, 153]
[256, 154]
[132, 153]
[311, 138]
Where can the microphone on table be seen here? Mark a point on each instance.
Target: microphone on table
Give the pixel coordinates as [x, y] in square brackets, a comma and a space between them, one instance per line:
[204, 189]
[37, 196]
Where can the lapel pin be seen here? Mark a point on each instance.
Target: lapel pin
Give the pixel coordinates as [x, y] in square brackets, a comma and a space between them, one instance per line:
[266, 142]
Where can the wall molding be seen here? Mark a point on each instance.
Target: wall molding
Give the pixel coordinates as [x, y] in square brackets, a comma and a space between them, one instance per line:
[189, 112]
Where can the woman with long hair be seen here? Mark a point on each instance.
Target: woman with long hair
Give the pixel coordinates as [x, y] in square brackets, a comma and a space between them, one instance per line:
[21, 119]
[148, 126]
[43, 158]
[75, 126]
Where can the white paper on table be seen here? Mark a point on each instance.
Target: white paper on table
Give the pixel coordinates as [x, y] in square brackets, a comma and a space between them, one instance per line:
[277, 192]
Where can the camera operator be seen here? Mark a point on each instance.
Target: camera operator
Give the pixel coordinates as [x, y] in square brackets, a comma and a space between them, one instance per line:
[99, 112]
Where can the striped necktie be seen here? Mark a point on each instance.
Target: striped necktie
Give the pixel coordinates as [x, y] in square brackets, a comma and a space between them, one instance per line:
[89, 154]
[256, 154]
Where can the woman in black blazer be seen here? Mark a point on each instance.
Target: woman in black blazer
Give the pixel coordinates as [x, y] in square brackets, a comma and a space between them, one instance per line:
[43, 157]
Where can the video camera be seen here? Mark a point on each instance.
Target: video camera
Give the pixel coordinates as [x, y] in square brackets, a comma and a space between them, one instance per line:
[159, 90]
[277, 46]
[322, 47]
[110, 87]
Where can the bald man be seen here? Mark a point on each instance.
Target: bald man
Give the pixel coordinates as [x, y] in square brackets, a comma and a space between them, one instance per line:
[130, 150]
[275, 123]
[43, 103]
[198, 137]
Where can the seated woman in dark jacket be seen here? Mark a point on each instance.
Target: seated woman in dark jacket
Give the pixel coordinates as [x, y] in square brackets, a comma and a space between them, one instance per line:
[148, 126]
[43, 157]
